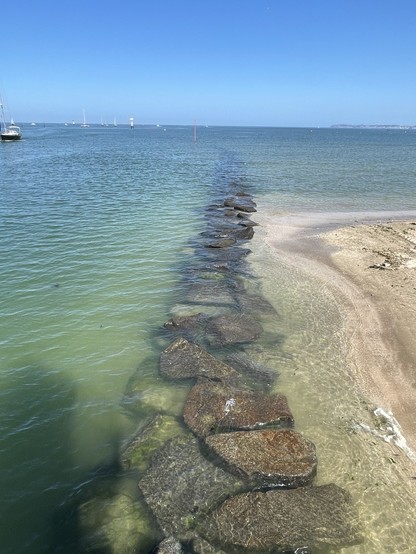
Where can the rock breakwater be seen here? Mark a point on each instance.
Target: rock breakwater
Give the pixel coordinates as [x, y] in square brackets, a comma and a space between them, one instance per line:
[228, 472]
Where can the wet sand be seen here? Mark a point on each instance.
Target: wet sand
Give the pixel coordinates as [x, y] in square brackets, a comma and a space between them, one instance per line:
[369, 263]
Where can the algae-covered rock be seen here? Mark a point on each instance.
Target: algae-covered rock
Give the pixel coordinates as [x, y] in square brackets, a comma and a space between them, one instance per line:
[270, 458]
[312, 517]
[213, 407]
[138, 451]
[183, 360]
[116, 523]
[181, 484]
[147, 394]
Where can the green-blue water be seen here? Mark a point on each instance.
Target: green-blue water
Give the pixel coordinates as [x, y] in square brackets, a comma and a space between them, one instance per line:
[94, 225]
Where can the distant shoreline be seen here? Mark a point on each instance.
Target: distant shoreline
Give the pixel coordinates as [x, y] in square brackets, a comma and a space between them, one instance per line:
[348, 126]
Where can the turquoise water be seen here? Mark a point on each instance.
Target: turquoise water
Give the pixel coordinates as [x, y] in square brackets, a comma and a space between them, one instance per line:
[94, 225]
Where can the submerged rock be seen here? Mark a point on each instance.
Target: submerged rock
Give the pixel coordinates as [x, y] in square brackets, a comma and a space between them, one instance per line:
[272, 457]
[255, 303]
[246, 222]
[147, 394]
[233, 329]
[233, 254]
[190, 325]
[314, 517]
[187, 322]
[214, 293]
[229, 233]
[169, 546]
[138, 451]
[116, 523]
[213, 407]
[241, 203]
[201, 546]
[181, 485]
[184, 360]
[259, 374]
[246, 233]
[221, 243]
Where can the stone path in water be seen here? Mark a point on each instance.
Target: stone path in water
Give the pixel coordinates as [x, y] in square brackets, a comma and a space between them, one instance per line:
[233, 474]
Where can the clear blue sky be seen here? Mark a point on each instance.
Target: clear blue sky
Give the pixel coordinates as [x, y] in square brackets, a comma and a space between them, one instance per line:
[221, 62]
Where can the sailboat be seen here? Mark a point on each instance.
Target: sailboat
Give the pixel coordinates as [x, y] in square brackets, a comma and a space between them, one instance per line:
[8, 132]
[85, 124]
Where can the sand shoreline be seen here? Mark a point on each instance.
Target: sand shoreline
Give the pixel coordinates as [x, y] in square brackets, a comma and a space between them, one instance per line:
[368, 260]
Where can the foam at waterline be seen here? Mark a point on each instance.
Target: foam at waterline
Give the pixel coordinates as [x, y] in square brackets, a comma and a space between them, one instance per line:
[389, 430]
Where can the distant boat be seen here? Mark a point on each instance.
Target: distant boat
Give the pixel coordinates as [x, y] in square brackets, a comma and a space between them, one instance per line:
[85, 124]
[8, 132]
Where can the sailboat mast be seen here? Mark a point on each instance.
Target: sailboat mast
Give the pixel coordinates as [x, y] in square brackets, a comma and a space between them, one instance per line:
[3, 116]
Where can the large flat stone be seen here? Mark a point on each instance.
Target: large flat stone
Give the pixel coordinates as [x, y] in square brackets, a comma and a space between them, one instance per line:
[231, 329]
[181, 485]
[184, 360]
[272, 457]
[314, 517]
[213, 407]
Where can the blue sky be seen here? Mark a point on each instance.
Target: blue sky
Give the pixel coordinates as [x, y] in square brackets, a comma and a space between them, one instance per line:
[220, 62]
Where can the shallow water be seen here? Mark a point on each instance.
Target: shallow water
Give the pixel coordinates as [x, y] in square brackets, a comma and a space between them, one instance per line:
[96, 227]
[317, 377]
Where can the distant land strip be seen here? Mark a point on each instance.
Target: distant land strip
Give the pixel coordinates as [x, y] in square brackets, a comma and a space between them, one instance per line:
[348, 126]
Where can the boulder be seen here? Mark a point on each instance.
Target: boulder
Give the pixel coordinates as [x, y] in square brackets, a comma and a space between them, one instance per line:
[181, 485]
[185, 360]
[271, 457]
[147, 394]
[234, 233]
[255, 304]
[230, 329]
[242, 204]
[221, 243]
[137, 452]
[214, 407]
[190, 326]
[210, 293]
[246, 222]
[114, 523]
[246, 233]
[187, 322]
[201, 546]
[169, 546]
[309, 517]
[260, 376]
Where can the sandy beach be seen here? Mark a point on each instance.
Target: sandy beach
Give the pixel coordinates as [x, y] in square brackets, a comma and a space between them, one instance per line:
[369, 263]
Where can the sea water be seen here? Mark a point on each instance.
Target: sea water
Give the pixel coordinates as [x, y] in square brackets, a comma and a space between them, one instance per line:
[94, 226]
